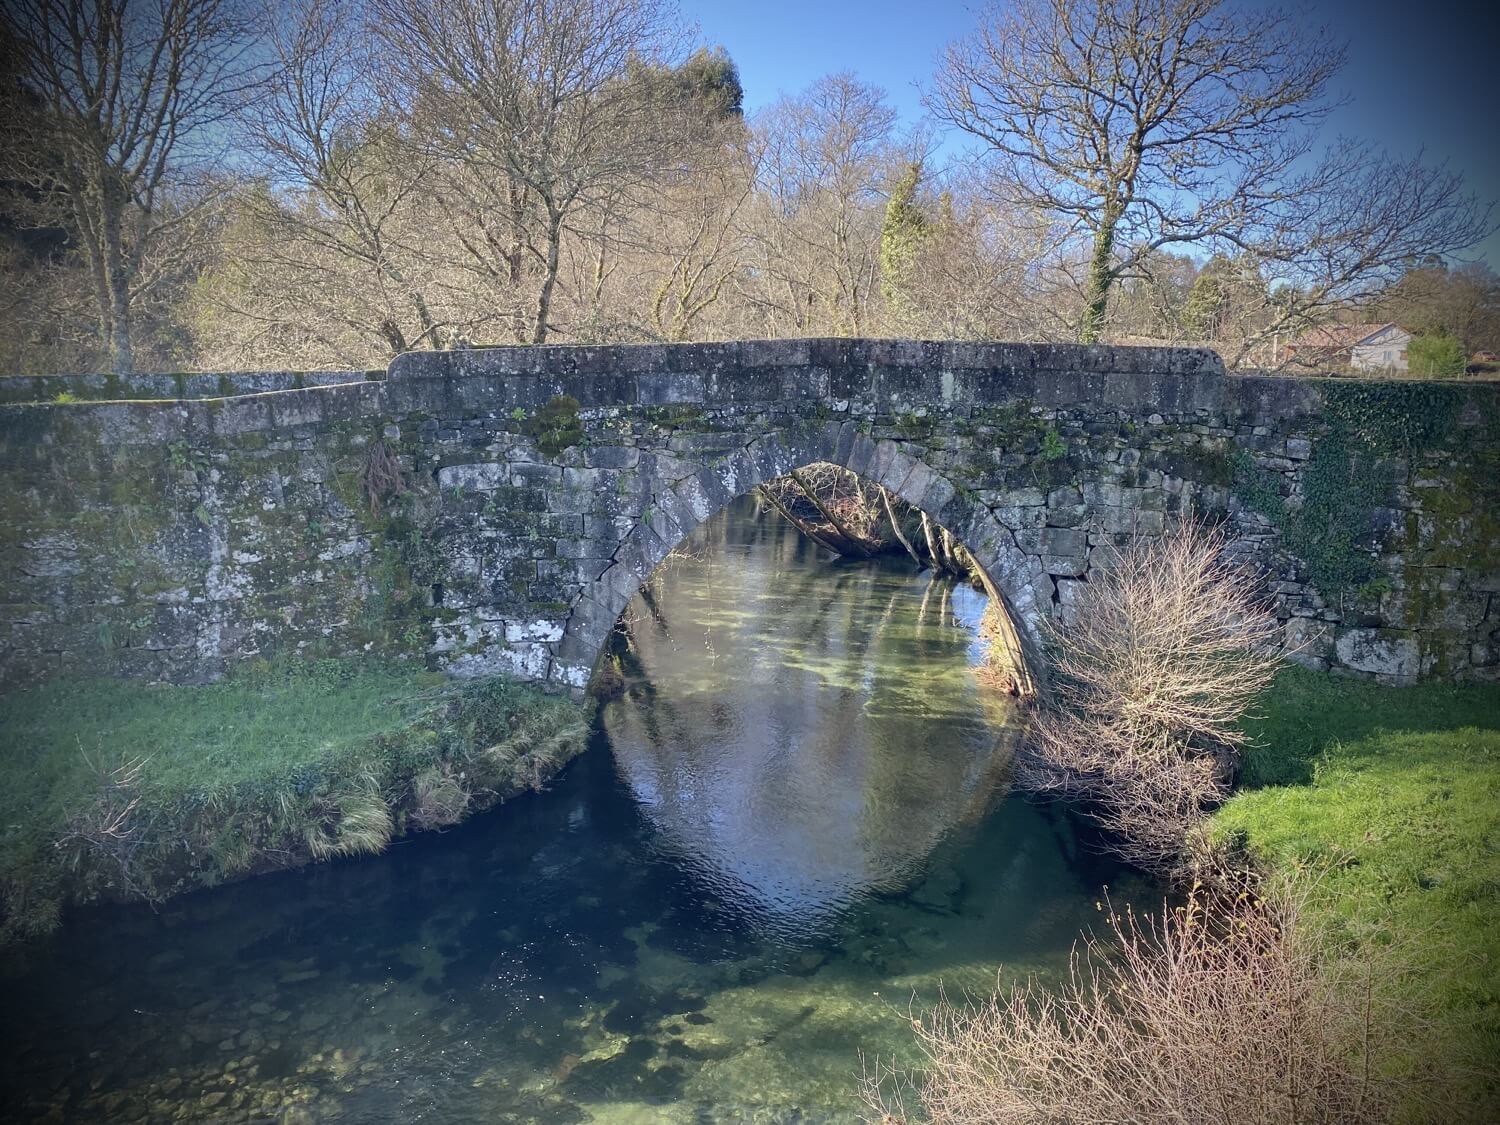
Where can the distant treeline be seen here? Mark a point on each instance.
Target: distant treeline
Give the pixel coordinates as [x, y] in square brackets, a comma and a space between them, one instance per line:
[328, 183]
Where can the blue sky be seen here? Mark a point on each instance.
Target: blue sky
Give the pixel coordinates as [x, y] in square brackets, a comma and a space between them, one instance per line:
[1419, 77]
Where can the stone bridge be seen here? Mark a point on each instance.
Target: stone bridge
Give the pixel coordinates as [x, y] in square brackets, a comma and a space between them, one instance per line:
[493, 510]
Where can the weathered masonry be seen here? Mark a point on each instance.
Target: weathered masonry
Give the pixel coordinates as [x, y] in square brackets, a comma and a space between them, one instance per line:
[493, 510]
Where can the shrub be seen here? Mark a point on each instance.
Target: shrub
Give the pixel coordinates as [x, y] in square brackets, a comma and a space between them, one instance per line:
[382, 479]
[106, 830]
[1169, 644]
[1219, 1012]
[1435, 355]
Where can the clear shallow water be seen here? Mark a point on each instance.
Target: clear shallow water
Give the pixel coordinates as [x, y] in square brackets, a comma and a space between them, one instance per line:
[794, 821]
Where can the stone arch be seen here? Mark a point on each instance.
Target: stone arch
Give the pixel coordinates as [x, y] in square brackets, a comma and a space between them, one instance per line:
[672, 511]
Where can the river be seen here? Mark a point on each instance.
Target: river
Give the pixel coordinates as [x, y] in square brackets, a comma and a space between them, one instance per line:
[793, 824]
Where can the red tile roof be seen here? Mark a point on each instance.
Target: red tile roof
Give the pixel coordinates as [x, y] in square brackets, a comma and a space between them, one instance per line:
[1338, 336]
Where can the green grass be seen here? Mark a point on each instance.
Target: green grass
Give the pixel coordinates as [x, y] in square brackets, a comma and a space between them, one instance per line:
[266, 724]
[1393, 796]
[274, 766]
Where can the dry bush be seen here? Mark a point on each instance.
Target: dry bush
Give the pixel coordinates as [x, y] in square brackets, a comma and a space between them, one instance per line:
[1169, 644]
[354, 821]
[1205, 1013]
[1000, 669]
[382, 478]
[833, 506]
[1148, 795]
[106, 832]
[1170, 636]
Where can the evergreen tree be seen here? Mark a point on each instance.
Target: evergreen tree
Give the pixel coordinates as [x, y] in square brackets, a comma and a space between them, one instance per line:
[1437, 355]
[712, 77]
[707, 80]
[1207, 302]
[901, 236]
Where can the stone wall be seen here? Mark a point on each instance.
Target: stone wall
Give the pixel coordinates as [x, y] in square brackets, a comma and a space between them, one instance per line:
[493, 510]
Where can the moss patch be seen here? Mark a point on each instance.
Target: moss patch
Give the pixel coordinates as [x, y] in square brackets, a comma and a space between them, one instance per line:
[556, 426]
[118, 789]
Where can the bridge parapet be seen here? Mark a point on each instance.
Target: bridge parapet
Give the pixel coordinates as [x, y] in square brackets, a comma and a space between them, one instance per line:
[170, 386]
[924, 373]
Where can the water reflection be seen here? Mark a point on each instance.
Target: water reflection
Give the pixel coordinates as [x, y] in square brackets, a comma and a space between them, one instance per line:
[800, 731]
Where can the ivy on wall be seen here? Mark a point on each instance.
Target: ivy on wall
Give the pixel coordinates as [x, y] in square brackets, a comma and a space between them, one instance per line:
[1372, 429]
[1396, 419]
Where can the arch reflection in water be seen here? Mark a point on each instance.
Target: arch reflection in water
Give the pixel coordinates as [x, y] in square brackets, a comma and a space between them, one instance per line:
[803, 731]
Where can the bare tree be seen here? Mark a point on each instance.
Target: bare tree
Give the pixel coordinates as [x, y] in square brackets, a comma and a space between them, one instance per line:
[655, 260]
[537, 99]
[1146, 126]
[114, 101]
[338, 183]
[701, 244]
[45, 305]
[1340, 234]
[979, 270]
[1142, 124]
[816, 224]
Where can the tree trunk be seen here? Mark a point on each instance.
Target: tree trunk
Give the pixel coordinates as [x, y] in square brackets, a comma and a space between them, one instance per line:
[549, 279]
[801, 525]
[1101, 276]
[932, 548]
[121, 358]
[390, 332]
[596, 306]
[430, 331]
[890, 513]
[513, 260]
[102, 305]
[954, 551]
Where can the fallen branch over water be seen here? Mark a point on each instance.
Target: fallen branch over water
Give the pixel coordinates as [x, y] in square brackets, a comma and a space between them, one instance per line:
[853, 517]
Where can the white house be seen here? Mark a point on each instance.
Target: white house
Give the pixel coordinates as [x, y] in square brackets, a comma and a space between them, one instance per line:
[1363, 347]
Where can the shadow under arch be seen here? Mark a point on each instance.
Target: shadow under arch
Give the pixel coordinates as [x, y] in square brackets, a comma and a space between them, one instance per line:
[674, 509]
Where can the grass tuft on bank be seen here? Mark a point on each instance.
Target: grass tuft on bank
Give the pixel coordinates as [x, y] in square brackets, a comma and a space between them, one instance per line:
[1391, 796]
[113, 789]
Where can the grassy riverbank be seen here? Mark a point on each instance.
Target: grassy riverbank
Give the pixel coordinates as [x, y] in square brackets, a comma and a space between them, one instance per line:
[119, 789]
[1393, 795]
